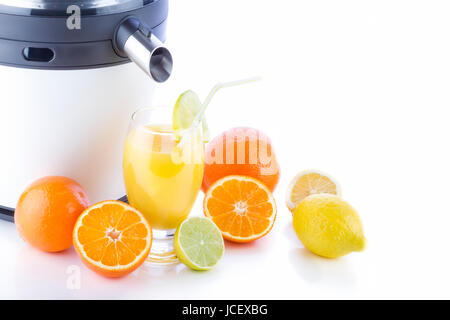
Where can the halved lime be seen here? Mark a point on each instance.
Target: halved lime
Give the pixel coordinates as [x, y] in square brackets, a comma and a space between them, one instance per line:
[185, 110]
[198, 243]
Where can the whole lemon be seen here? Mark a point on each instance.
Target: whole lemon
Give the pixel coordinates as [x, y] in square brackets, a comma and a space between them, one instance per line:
[328, 226]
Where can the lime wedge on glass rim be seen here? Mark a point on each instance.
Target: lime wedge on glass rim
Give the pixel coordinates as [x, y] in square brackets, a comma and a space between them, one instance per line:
[198, 243]
[185, 110]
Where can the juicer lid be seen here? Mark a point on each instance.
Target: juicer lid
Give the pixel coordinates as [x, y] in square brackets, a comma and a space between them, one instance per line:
[80, 34]
[59, 7]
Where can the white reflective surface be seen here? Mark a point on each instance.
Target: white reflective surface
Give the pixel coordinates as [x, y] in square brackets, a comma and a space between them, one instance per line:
[359, 90]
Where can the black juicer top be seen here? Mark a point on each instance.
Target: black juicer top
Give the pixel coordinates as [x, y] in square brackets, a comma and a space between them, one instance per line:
[72, 34]
[59, 7]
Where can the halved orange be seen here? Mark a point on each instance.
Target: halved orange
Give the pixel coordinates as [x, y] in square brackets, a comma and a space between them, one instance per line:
[112, 238]
[242, 207]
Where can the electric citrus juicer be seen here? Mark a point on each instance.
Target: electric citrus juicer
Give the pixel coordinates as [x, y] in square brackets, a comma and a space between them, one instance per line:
[64, 65]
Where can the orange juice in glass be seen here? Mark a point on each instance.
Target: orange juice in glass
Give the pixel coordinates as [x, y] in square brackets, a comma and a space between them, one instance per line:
[163, 172]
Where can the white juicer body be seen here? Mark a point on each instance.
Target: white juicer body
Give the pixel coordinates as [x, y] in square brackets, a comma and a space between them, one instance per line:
[67, 122]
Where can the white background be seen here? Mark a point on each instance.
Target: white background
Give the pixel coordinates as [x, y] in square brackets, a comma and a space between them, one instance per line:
[359, 89]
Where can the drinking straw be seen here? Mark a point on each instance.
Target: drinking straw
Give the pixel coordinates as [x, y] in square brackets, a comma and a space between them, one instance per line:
[214, 90]
[217, 87]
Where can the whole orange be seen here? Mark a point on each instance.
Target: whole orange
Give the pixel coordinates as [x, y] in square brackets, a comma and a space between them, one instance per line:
[241, 151]
[47, 211]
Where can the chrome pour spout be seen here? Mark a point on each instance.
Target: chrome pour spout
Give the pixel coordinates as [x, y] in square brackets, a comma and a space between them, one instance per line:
[136, 41]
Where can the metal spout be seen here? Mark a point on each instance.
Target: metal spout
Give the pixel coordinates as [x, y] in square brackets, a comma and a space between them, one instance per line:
[137, 42]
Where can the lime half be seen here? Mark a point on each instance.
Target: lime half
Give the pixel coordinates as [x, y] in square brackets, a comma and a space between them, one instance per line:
[186, 109]
[198, 243]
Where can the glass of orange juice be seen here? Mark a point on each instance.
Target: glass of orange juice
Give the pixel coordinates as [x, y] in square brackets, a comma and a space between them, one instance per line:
[163, 172]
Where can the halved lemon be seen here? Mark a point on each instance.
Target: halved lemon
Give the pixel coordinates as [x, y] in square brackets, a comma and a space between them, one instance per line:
[112, 238]
[307, 183]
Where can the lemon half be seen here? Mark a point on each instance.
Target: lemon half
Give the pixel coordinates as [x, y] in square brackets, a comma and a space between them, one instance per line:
[310, 182]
